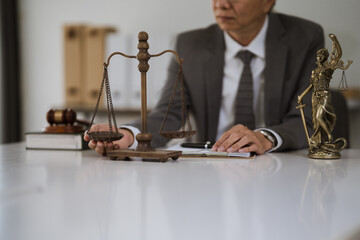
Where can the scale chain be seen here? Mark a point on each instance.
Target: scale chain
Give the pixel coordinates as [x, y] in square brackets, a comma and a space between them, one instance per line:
[98, 100]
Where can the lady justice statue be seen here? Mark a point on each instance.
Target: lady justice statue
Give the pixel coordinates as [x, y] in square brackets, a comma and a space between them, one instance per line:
[321, 143]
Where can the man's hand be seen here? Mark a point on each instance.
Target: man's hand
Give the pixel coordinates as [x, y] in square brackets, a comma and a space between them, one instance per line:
[241, 139]
[102, 147]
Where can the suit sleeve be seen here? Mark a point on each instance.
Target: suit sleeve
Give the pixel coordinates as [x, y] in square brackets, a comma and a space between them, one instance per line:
[291, 129]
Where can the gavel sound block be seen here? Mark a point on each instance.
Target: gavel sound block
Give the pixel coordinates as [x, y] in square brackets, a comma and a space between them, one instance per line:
[64, 121]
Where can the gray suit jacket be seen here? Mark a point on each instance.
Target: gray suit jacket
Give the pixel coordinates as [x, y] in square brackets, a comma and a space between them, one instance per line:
[291, 45]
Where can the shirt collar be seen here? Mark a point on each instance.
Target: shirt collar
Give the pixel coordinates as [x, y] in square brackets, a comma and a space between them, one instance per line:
[257, 45]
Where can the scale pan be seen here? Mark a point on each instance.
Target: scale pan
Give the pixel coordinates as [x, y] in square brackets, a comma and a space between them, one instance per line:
[178, 134]
[105, 136]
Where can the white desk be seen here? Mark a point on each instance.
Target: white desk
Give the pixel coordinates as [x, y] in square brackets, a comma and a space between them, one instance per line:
[68, 195]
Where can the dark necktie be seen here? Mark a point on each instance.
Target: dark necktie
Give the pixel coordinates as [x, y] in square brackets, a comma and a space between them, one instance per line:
[244, 110]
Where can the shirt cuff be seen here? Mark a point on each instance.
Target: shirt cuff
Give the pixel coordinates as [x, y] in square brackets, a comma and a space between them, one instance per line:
[277, 136]
[135, 131]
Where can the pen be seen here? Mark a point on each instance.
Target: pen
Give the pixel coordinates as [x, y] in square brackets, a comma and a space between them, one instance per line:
[206, 145]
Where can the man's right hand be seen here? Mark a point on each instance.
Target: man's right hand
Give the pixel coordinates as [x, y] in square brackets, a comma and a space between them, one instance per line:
[102, 147]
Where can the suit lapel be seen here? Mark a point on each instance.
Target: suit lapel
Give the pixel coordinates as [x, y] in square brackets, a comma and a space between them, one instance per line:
[276, 52]
[214, 71]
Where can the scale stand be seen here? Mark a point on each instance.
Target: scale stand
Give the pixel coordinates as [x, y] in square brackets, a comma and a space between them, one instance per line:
[144, 149]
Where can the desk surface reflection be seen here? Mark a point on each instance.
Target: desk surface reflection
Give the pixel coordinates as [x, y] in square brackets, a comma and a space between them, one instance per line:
[79, 195]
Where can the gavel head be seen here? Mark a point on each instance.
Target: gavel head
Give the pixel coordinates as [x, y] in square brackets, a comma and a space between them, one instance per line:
[67, 116]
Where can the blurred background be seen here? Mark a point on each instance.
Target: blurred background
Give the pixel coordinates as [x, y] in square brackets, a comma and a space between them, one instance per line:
[33, 55]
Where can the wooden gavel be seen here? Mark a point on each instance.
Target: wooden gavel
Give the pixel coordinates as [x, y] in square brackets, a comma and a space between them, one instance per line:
[62, 121]
[66, 116]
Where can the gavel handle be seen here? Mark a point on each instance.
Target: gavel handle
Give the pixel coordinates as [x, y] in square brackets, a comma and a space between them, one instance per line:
[83, 122]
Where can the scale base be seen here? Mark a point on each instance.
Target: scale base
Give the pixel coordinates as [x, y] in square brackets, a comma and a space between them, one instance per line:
[151, 156]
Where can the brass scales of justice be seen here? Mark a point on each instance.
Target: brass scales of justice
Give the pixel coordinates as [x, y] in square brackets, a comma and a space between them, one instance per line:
[144, 149]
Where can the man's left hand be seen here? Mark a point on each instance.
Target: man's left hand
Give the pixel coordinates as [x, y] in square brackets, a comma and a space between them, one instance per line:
[241, 139]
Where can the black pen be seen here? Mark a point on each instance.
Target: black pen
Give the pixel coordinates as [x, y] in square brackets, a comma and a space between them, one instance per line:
[206, 145]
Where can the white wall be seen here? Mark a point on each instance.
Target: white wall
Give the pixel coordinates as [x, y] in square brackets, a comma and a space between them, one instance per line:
[41, 35]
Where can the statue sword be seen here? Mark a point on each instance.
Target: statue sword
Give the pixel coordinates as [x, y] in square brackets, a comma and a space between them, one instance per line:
[301, 106]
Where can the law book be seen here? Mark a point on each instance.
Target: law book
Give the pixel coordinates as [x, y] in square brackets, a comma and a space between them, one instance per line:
[56, 141]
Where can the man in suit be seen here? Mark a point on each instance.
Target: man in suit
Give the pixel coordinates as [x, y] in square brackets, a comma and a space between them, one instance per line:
[282, 48]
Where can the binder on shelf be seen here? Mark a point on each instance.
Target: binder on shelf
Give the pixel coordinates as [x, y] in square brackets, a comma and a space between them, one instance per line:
[93, 63]
[84, 55]
[73, 63]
